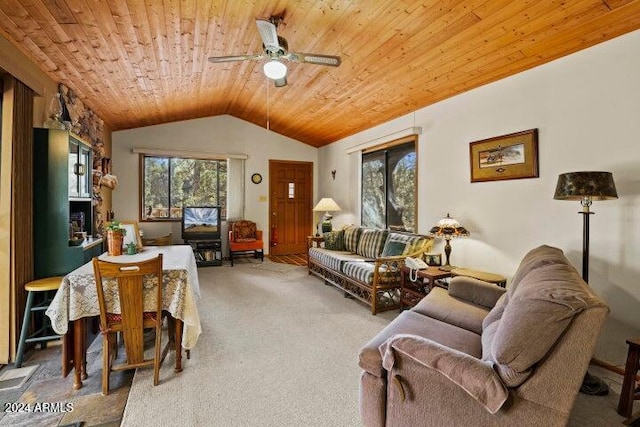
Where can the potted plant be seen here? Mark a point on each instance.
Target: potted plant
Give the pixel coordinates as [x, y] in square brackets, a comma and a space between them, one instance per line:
[115, 238]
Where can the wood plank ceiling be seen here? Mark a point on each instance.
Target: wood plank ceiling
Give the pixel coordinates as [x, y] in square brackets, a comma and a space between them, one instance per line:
[139, 63]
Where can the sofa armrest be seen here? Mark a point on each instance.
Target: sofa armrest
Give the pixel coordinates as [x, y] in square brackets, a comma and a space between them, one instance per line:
[475, 377]
[388, 270]
[475, 291]
[258, 234]
[427, 244]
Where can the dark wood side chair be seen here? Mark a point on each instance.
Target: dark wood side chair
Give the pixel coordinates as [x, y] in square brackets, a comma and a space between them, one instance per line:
[126, 281]
[630, 385]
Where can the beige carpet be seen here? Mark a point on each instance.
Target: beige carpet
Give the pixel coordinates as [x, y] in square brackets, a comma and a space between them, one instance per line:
[278, 348]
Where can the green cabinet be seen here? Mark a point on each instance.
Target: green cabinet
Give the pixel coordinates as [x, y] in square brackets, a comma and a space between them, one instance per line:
[62, 198]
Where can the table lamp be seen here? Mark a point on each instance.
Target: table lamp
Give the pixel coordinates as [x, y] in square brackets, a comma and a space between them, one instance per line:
[587, 187]
[448, 228]
[327, 205]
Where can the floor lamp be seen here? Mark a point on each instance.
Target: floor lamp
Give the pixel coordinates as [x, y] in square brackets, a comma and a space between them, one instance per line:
[587, 187]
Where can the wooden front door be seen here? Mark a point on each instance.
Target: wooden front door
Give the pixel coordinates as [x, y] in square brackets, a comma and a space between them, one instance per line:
[290, 204]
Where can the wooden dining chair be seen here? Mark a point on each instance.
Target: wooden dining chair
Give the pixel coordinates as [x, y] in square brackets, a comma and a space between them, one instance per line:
[125, 280]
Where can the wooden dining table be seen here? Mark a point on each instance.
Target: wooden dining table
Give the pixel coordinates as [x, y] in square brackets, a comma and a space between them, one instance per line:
[76, 301]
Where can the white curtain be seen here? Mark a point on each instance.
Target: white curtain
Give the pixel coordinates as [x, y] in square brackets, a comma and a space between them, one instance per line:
[355, 171]
[235, 189]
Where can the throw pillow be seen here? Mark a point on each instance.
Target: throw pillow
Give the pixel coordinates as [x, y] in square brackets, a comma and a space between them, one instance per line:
[371, 243]
[334, 240]
[393, 248]
[244, 230]
[351, 237]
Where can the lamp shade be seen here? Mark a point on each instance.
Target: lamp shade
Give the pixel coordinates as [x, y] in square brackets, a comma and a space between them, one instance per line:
[581, 185]
[448, 227]
[326, 204]
[275, 69]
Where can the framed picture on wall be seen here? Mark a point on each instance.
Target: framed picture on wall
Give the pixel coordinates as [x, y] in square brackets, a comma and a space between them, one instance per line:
[511, 156]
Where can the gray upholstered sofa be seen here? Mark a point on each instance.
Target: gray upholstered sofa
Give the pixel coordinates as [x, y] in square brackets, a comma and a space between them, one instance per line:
[477, 355]
[366, 263]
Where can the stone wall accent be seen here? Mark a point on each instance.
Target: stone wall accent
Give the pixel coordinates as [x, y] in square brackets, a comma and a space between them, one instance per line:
[85, 123]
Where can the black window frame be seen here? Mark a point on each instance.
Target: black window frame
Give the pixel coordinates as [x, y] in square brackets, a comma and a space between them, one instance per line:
[385, 151]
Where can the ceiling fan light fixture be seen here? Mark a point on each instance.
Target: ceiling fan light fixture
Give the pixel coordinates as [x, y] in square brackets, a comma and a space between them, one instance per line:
[275, 70]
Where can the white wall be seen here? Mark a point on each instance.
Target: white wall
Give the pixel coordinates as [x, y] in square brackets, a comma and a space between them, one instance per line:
[220, 134]
[587, 108]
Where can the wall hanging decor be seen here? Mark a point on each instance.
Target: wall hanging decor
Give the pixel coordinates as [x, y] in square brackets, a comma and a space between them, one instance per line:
[511, 156]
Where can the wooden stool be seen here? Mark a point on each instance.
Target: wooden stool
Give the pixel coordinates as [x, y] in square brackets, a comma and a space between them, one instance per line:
[629, 391]
[41, 285]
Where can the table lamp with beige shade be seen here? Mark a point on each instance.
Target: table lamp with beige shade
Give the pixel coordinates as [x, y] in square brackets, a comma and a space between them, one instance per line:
[326, 204]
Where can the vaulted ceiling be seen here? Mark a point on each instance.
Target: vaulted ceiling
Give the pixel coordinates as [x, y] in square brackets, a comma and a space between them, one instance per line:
[139, 63]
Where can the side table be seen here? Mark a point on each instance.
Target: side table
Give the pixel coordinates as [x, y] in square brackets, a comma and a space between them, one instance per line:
[630, 387]
[314, 241]
[411, 292]
[480, 275]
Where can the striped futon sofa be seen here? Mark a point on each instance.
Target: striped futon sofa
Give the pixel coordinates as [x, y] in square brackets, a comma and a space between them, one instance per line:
[366, 263]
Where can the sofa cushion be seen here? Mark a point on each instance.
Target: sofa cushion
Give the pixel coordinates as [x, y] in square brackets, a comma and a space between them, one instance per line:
[371, 242]
[496, 312]
[334, 240]
[351, 237]
[363, 272]
[535, 316]
[393, 248]
[442, 306]
[537, 257]
[333, 259]
[402, 244]
[410, 322]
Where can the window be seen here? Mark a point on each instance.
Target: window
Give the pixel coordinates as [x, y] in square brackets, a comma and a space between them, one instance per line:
[168, 183]
[389, 187]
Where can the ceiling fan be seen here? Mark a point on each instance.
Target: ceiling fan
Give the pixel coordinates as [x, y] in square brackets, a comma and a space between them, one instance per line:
[275, 50]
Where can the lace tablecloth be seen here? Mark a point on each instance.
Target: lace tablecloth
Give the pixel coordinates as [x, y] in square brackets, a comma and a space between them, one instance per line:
[77, 297]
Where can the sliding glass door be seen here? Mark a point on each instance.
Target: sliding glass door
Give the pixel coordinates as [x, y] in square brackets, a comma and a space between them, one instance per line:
[389, 187]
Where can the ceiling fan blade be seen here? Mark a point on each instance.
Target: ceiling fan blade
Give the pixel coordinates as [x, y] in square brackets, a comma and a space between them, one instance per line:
[269, 35]
[314, 58]
[232, 58]
[281, 82]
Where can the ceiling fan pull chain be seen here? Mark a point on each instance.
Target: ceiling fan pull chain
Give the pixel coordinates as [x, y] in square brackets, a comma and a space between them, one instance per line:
[268, 105]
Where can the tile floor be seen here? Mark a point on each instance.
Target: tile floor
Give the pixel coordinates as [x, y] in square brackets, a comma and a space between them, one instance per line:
[47, 385]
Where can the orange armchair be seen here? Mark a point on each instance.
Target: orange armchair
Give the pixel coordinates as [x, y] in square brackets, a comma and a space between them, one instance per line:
[245, 238]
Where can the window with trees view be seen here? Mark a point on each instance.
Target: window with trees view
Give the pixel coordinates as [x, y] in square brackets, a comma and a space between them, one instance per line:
[169, 183]
[389, 187]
